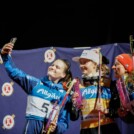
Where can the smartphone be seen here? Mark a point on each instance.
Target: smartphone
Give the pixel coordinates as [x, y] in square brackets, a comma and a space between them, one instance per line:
[13, 40]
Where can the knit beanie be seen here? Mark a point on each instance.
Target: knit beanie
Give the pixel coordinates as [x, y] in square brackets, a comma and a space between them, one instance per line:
[126, 61]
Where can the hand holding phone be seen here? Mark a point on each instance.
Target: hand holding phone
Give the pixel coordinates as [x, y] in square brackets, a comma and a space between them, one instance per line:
[13, 40]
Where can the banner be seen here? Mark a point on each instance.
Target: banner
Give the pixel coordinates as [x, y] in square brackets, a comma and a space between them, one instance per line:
[35, 62]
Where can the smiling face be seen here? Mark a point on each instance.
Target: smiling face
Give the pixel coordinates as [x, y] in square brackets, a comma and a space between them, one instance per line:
[119, 69]
[56, 71]
[87, 66]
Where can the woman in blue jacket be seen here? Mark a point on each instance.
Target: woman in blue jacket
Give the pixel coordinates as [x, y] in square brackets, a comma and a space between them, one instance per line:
[43, 94]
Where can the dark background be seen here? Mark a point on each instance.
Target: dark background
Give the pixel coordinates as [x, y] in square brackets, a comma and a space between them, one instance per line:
[65, 24]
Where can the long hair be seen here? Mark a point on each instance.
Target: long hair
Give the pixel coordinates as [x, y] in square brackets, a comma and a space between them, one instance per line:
[68, 78]
[68, 72]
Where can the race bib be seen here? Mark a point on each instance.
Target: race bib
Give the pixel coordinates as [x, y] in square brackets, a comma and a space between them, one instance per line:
[40, 107]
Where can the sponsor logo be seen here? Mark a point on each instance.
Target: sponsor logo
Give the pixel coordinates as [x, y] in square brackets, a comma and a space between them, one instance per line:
[8, 122]
[48, 94]
[1, 61]
[49, 55]
[7, 89]
[89, 91]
